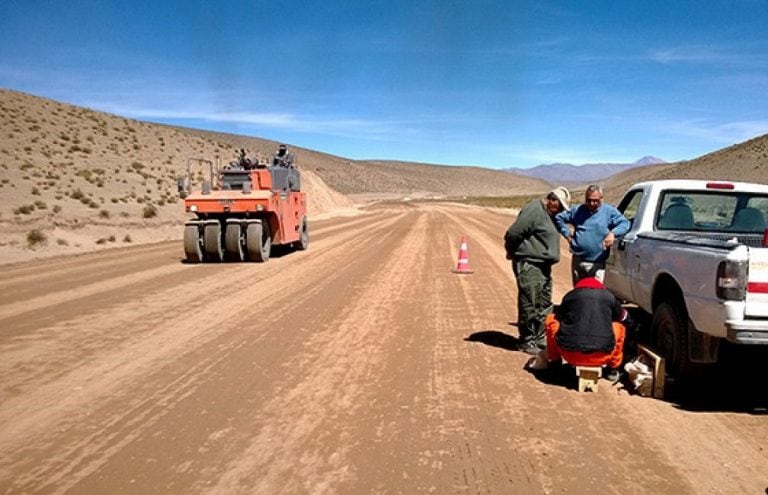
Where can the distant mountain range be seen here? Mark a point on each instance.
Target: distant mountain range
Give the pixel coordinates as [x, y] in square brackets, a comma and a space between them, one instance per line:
[567, 173]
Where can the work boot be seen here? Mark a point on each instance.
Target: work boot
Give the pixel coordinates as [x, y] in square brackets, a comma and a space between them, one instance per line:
[613, 375]
[529, 348]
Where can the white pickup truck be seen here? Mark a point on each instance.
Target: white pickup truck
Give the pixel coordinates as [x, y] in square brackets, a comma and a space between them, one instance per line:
[696, 259]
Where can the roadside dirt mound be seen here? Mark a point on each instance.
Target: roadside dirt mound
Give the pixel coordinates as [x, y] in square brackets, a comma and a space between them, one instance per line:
[321, 199]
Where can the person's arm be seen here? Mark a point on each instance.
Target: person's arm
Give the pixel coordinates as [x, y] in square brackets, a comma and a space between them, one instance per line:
[517, 232]
[562, 220]
[618, 313]
[558, 310]
[618, 223]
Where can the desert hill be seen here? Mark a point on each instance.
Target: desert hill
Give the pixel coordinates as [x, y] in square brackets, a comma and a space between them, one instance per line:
[364, 179]
[72, 178]
[746, 161]
[75, 179]
[570, 174]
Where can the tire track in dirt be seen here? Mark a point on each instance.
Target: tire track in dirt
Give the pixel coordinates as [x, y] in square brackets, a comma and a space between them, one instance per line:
[333, 385]
[725, 457]
[26, 278]
[155, 305]
[182, 325]
[17, 318]
[341, 369]
[484, 300]
[637, 416]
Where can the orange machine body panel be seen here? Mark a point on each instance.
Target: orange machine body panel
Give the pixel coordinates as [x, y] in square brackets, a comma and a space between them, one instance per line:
[283, 208]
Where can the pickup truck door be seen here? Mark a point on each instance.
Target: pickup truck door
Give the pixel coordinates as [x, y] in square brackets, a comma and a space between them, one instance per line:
[623, 264]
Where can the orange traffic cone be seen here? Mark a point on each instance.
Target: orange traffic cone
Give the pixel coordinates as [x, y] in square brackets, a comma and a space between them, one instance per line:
[463, 265]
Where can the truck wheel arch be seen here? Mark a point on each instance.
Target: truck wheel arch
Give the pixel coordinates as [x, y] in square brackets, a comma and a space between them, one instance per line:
[674, 334]
[666, 289]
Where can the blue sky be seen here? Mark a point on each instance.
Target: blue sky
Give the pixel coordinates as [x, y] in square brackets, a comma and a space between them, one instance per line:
[491, 83]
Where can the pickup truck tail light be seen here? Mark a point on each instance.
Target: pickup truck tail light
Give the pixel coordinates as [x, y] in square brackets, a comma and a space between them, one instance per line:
[765, 238]
[732, 280]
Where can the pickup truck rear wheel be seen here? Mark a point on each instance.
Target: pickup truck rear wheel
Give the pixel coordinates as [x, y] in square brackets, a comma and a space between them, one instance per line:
[669, 329]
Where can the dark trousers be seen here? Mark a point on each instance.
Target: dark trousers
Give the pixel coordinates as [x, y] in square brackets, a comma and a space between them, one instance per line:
[534, 299]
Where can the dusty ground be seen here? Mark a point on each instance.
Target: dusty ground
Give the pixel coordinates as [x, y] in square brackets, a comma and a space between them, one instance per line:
[362, 365]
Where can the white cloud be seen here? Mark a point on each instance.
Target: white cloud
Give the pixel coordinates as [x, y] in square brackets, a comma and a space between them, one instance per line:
[342, 126]
[724, 133]
[707, 54]
[250, 118]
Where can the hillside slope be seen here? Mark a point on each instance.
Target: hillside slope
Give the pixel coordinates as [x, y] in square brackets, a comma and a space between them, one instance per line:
[746, 161]
[75, 179]
[567, 173]
[392, 178]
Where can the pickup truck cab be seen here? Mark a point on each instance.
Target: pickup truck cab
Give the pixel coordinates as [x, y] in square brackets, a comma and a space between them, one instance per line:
[695, 258]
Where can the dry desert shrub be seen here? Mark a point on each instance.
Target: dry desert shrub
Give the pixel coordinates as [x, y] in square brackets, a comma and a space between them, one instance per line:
[24, 210]
[82, 149]
[150, 211]
[36, 238]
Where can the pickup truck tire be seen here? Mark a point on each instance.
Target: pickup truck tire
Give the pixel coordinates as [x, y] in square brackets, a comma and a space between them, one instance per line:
[669, 330]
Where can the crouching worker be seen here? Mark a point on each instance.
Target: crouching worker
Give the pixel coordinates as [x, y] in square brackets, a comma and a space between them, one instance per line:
[588, 328]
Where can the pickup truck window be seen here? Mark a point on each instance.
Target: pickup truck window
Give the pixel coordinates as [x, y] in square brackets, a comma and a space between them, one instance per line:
[725, 211]
[629, 205]
[759, 203]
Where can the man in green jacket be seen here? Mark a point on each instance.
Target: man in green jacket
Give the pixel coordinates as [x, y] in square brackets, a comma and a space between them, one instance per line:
[532, 243]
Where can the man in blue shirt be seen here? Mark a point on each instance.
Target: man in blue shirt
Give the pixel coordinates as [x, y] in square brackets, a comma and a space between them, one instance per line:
[596, 225]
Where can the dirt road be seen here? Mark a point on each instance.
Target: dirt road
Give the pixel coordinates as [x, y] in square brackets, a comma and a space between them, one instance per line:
[362, 365]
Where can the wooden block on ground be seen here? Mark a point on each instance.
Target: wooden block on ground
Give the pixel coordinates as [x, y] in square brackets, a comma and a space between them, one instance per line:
[659, 370]
[588, 377]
